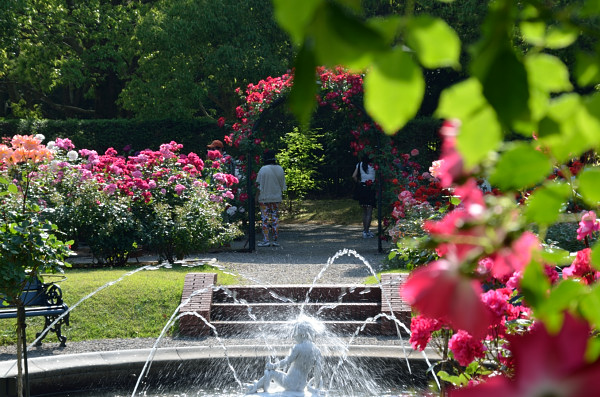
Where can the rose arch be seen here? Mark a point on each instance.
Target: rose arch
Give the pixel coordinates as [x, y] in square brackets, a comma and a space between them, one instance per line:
[339, 91]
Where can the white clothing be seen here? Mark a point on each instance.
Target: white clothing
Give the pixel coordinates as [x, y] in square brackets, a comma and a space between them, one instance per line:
[366, 176]
[271, 183]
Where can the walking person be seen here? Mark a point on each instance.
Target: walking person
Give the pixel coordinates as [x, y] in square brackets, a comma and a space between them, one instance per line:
[364, 175]
[271, 184]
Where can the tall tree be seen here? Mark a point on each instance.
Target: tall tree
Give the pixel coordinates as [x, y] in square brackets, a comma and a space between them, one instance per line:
[193, 54]
[65, 58]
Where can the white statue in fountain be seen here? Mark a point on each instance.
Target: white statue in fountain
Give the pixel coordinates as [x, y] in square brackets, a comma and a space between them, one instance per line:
[304, 358]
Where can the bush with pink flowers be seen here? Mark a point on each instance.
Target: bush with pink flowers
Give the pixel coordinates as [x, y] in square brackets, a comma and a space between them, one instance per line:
[479, 297]
[162, 201]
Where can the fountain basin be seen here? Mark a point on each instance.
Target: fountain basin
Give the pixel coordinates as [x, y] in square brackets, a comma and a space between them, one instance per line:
[193, 368]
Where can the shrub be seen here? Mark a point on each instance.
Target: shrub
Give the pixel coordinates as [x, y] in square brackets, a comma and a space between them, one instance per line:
[167, 202]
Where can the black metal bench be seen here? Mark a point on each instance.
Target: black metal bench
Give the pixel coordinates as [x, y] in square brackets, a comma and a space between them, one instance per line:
[41, 299]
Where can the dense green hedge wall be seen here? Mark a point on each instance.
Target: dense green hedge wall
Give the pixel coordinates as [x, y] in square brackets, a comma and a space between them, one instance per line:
[99, 135]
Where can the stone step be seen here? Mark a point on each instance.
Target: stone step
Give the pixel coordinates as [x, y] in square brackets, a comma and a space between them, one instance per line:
[284, 328]
[297, 293]
[344, 308]
[284, 311]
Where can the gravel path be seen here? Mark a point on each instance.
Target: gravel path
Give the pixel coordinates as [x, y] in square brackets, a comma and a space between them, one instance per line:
[305, 253]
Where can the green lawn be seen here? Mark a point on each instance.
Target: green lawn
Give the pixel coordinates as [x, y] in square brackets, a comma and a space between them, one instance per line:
[338, 212]
[136, 306]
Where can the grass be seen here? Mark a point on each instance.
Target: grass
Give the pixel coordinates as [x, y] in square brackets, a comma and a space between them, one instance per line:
[373, 280]
[138, 305]
[328, 211]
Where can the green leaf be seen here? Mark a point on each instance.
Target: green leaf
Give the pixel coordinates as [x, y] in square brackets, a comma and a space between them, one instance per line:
[590, 8]
[480, 130]
[533, 32]
[548, 73]
[562, 297]
[461, 100]
[394, 89]
[454, 200]
[353, 30]
[302, 96]
[554, 37]
[505, 85]
[460, 380]
[387, 27]
[556, 256]
[569, 128]
[544, 204]
[538, 103]
[560, 108]
[589, 120]
[589, 306]
[595, 259]
[331, 45]
[295, 15]
[521, 166]
[565, 295]
[589, 185]
[535, 285]
[561, 36]
[479, 135]
[352, 4]
[435, 42]
[587, 69]
[12, 188]
[593, 350]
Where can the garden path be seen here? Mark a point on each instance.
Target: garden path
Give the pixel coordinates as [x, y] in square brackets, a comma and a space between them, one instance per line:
[305, 251]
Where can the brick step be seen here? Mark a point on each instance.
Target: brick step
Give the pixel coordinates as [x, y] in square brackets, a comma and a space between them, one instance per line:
[252, 328]
[283, 311]
[297, 293]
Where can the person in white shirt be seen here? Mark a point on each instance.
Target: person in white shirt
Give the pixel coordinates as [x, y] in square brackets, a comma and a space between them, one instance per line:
[364, 175]
[271, 184]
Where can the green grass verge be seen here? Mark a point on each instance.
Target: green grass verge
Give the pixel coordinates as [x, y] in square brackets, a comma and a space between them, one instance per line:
[338, 212]
[139, 305]
[373, 280]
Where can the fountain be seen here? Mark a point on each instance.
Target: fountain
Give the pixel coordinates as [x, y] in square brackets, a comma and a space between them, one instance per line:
[305, 357]
[232, 352]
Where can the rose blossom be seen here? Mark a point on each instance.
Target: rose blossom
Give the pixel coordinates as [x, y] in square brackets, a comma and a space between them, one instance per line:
[588, 225]
[465, 348]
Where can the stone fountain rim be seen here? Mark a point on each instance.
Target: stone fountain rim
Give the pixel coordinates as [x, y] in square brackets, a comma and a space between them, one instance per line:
[135, 358]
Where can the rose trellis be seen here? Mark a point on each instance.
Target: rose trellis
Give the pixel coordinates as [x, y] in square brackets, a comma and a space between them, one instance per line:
[341, 91]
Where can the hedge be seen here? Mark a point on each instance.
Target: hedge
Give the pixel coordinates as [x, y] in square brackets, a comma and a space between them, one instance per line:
[100, 135]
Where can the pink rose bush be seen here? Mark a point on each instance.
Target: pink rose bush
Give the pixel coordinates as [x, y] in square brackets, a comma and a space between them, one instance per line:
[161, 200]
[545, 364]
[480, 301]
